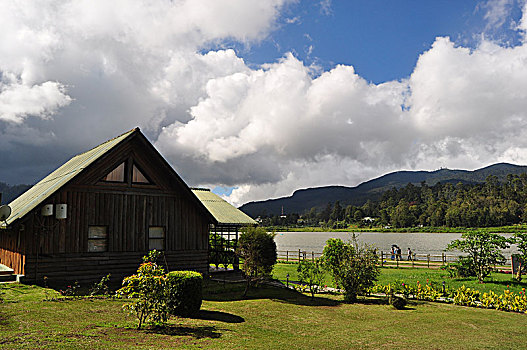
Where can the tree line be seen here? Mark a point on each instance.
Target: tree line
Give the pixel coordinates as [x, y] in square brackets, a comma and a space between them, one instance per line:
[487, 204]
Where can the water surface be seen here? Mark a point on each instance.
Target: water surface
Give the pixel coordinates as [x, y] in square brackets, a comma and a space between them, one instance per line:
[419, 243]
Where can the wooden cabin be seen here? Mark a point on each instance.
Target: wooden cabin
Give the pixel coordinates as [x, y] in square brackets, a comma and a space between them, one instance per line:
[101, 212]
[225, 232]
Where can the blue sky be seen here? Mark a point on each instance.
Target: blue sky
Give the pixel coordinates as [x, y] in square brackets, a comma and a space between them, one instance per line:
[381, 39]
[256, 99]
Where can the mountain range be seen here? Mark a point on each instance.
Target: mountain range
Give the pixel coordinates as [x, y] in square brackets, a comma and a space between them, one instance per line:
[303, 200]
[8, 193]
[318, 197]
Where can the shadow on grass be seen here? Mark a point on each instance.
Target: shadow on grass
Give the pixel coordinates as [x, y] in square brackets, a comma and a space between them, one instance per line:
[233, 292]
[507, 283]
[218, 316]
[197, 332]
[4, 321]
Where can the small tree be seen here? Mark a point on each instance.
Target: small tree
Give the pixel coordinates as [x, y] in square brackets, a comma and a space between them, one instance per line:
[353, 266]
[147, 289]
[312, 274]
[520, 239]
[484, 250]
[257, 248]
[156, 295]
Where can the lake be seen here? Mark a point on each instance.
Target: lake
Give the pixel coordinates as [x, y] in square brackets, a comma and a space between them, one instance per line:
[420, 243]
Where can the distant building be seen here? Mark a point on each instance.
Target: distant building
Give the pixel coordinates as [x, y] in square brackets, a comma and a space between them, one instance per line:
[225, 232]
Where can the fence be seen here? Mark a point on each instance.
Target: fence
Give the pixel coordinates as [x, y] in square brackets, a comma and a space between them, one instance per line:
[297, 255]
[416, 260]
[430, 261]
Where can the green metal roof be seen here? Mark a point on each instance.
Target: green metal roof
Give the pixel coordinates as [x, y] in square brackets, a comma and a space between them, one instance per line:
[37, 194]
[222, 211]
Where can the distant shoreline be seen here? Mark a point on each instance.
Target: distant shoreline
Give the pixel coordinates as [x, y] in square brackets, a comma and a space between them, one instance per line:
[500, 229]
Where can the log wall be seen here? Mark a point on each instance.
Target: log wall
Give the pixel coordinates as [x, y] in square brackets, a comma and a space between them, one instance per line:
[90, 268]
[38, 246]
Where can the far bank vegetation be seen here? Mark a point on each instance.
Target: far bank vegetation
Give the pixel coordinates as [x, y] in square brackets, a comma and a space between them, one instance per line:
[489, 204]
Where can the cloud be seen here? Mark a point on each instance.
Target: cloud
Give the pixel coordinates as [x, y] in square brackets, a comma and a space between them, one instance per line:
[497, 12]
[67, 67]
[75, 73]
[280, 128]
[18, 101]
[325, 7]
[522, 26]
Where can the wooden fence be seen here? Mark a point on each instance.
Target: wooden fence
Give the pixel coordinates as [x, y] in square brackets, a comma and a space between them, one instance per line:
[297, 255]
[430, 261]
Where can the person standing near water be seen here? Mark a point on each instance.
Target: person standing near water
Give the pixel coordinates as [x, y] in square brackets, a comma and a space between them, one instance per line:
[409, 254]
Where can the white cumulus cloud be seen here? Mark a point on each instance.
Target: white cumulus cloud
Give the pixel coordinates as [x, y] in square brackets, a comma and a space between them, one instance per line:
[74, 73]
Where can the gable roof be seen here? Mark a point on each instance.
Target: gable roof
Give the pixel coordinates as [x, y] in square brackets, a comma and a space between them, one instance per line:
[46, 187]
[222, 211]
[34, 196]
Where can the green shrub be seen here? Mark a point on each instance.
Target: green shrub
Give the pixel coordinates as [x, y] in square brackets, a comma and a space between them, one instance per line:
[257, 248]
[466, 296]
[508, 301]
[426, 292]
[311, 274]
[147, 289]
[420, 291]
[520, 239]
[353, 267]
[102, 287]
[184, 292]
[156, 295]
[483, 249]
[464, 267]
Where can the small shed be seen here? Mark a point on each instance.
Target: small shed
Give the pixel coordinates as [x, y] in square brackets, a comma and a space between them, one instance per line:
[103, 210]
[224, 233]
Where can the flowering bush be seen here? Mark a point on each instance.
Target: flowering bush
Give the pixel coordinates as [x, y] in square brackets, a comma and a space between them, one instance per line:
[157, 295]
[102, 287]
[466, 296]
[426, 292]
[508, 301]
[71, 290]
[147, 288]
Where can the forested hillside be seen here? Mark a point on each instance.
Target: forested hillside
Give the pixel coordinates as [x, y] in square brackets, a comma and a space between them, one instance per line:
[492, 203]
[302, 201]
[11, 192]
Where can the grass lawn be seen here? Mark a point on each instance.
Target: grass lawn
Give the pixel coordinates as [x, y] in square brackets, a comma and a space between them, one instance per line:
[269, 318]
[497, 282]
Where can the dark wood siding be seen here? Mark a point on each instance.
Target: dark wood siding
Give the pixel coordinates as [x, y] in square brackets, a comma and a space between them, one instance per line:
[58, 249]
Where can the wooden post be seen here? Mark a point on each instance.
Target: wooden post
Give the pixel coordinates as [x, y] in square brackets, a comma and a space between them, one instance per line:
[443, 259]
[287, 256]
[397, 260]
[299, 256]
[382, 259]
[428, 260]
[412, 258]
[312, 256]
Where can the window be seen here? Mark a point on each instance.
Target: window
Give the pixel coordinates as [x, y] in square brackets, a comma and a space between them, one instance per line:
[137, 176]
[97, 239]
[156, 238]
[116, 175]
